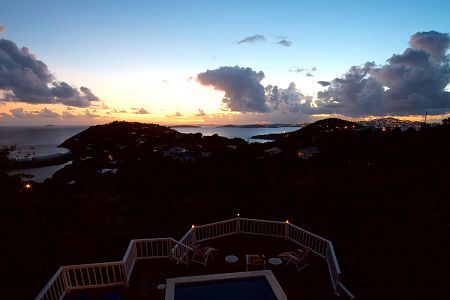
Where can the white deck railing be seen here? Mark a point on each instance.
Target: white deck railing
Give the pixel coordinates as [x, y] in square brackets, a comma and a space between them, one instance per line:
[94, 275]
[75, 277]
[56, 287]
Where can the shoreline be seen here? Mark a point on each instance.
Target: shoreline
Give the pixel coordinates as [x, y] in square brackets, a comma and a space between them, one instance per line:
[39, 161]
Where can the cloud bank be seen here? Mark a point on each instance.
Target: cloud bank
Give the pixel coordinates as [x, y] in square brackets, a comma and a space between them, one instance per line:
[43, 113]
[24, 78]
[245, 93]
[242, 87]
[410, 83]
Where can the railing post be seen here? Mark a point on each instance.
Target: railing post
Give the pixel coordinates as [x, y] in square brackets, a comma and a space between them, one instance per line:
[238, 224]
[193, 236]
[286, 230]
[124, 272]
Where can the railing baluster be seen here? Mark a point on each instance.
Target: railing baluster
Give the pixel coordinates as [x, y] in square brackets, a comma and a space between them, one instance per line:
[114, 273]
[75, 275]
[52, 293]
[95, 275]
[107, 274]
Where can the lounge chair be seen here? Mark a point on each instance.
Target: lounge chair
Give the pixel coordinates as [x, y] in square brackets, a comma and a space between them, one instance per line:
[201, 255]
[255, 261]
[298, 259]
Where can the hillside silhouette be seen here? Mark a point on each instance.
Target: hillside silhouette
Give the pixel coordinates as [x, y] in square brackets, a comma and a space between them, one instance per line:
[380, 196]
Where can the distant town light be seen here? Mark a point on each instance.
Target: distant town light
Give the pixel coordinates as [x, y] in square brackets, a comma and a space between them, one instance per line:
[192, 226]
[238, 214]
[110, 157]
[287, 221]
[28, 186]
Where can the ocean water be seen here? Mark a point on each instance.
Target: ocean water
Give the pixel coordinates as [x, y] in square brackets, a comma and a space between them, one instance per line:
[232, 132]
[33, 141]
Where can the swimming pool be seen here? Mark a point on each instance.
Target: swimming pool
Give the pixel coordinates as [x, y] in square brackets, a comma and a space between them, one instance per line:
[256, 285]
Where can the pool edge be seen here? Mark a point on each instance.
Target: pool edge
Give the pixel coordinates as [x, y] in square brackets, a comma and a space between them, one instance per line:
[273, 282]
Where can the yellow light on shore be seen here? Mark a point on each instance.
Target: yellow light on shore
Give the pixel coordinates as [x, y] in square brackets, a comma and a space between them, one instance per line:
[287, 221]
[238, 215]
[28, 186]
[192, 226]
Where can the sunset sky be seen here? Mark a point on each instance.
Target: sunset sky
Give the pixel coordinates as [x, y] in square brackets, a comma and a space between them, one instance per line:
[210, 62]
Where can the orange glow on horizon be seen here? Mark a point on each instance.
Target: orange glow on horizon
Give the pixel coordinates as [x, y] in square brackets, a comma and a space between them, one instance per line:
[57, 114]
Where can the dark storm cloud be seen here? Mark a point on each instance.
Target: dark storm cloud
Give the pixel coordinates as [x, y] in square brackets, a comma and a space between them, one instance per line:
[285, 43]
[252, 39]
[24, 78]
[289, 100]
[354, 94]
[413, 82]
[245, 93]
[88, 94]
[433, 42]
[242, 87]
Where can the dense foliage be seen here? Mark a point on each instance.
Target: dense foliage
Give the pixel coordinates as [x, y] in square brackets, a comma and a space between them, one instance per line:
[382, 197]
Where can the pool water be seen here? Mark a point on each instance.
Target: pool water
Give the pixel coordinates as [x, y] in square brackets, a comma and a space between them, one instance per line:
[254, 288]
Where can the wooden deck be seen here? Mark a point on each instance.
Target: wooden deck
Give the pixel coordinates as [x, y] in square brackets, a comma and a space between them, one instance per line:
[311, 283]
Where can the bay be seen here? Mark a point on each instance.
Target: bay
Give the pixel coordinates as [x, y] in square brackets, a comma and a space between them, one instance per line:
[236, 132]
[35, 141]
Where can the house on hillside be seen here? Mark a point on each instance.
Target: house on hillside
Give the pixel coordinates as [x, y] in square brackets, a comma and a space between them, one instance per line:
[180, 153]
[272, 151]
[175, 151]
[308, 152]
[205, 154]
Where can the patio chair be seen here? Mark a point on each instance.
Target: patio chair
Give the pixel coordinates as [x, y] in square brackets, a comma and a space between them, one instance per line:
[201, 255]
[298, 259]
[255, 261]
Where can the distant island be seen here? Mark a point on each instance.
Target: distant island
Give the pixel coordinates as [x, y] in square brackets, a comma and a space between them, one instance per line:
[381, 123]
[390, 122]
[185, 126]
[263, 125]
